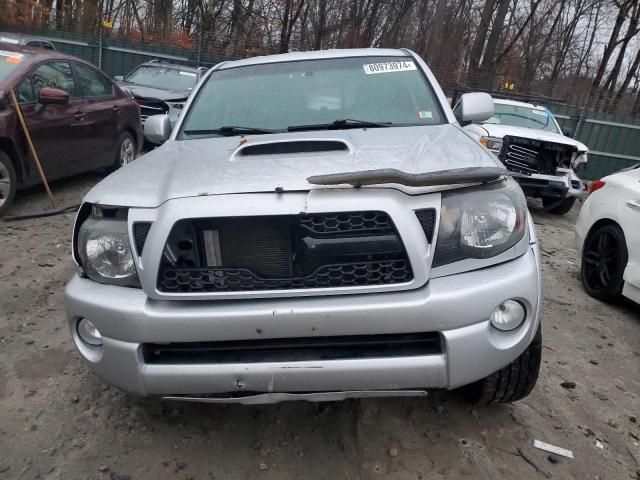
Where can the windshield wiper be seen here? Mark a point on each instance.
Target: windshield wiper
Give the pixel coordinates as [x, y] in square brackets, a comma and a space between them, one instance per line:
[340, 124]
[230, 130]
[383, 176]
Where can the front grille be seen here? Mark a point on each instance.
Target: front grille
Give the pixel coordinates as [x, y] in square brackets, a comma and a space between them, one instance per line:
[526, 155]
[284, 252]
[151, 107]
[522, 159]
[294, 349]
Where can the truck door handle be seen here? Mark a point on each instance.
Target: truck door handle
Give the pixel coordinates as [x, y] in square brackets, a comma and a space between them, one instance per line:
[116, 108]
[635, 204]
[79, 115]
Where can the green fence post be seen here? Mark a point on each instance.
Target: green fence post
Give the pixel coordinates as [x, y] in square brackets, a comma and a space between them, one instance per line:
[100, 38]
[198, 46]
[580, 124]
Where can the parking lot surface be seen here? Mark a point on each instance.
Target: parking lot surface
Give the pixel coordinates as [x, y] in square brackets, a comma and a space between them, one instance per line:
[59, 421]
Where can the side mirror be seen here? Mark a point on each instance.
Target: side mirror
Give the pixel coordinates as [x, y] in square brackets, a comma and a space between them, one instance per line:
[118, 78]
[567, 132]
[474, 107]
[157, 128]
[52, 96]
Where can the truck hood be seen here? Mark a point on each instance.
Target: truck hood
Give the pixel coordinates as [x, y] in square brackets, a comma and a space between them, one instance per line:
[500, 131]
[143, 92]
[223, 165]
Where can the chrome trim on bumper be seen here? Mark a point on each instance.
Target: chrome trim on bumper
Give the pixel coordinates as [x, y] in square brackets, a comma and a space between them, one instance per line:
[267, 398]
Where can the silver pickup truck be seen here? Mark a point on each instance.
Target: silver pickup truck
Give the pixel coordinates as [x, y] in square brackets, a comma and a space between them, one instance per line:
[317, 226]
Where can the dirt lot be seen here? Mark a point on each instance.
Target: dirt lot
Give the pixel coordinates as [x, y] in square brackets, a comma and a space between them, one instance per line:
[57, 420]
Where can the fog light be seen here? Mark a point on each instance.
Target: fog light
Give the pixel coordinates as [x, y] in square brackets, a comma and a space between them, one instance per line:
[508, 315]
[88, 332]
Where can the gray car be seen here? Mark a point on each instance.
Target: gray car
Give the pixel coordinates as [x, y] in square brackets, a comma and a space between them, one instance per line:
[161, 87]
[26, 40]
[317, 226]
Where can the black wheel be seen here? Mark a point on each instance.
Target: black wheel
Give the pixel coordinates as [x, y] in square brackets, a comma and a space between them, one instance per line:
[564, 207]
[514, 382]
[8, 183]
[126, 151]
[604, 258]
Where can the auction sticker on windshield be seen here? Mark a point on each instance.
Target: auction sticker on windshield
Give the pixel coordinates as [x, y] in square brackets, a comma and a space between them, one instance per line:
[11, 57]
[388, 67]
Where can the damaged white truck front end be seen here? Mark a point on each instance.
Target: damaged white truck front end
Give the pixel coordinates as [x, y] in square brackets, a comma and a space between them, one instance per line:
[527, 139]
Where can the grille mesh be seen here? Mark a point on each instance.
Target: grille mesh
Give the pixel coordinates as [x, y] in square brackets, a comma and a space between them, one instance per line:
[351, 222]
[232, 280]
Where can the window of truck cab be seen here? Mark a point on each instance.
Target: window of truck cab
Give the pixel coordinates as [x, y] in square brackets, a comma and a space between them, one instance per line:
[523, 116]
[278, 95]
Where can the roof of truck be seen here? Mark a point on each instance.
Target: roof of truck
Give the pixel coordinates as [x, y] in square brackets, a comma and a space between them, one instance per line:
[515, 103]
[317, 55]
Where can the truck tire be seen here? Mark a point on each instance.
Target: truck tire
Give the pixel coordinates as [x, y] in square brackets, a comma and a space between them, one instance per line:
[562, 208]
[514, 382]
[8, 183]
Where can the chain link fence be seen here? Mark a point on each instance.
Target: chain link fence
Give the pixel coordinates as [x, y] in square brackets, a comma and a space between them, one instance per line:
[614, 139]
[118, 55]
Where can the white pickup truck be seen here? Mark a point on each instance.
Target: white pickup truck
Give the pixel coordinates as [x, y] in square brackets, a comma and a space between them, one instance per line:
[527, 139]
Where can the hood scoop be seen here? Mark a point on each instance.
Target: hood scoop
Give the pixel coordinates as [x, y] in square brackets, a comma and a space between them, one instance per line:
[293, 147]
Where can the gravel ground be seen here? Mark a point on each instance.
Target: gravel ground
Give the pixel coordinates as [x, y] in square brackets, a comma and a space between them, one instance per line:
[59, 421]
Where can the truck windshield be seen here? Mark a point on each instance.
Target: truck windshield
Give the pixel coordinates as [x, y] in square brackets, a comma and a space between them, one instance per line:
[163, 77]
[9, 61]
[523, 116]
[331, 94]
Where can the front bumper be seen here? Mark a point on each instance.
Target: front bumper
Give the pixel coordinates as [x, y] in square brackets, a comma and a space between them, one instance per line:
[456, 306]
[565, 184]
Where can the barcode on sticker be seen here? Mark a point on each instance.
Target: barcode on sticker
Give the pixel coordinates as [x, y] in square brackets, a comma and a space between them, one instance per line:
[386, 67]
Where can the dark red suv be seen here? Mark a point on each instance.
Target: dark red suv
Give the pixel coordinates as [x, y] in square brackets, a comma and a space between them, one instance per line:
[78, 119]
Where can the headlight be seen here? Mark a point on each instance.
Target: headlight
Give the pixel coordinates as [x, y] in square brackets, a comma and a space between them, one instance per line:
[105, 250]
[492, 143]
[480, 223]
[580, 159]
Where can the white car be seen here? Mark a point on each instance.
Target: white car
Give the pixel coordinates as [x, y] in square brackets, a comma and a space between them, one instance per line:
[608, 237]
[527, 139]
